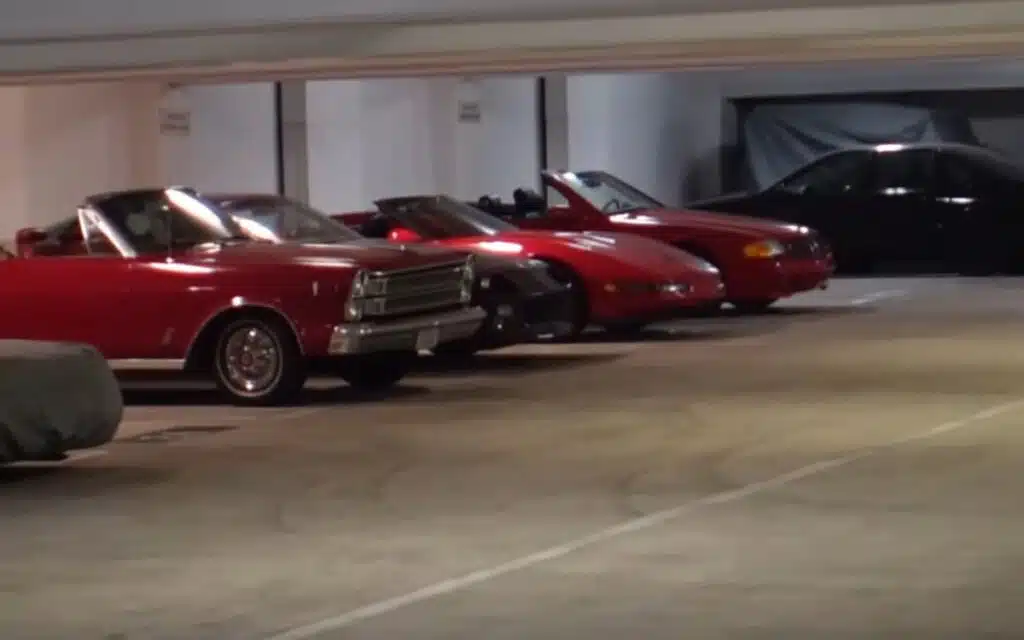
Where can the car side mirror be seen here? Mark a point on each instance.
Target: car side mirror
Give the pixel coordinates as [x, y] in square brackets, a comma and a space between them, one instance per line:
[403, 236]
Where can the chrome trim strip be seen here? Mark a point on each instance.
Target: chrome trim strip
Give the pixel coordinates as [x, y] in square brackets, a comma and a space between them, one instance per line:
[422, 267]
[357, 338]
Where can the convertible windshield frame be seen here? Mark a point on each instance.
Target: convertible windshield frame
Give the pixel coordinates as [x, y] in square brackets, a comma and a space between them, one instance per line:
[108, 215]
[616, 189]
[453, 218]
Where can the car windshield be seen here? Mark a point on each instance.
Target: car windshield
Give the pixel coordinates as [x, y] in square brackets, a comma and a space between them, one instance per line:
[281, 219]
[157, 220]
[607, 193]
[440, 217]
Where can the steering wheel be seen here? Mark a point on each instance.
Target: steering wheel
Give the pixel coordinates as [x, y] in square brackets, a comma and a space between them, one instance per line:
[611, 206]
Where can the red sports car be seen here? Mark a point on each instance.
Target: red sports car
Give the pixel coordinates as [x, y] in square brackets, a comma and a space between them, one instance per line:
[619, 281]
[162, 278]
[760, 261]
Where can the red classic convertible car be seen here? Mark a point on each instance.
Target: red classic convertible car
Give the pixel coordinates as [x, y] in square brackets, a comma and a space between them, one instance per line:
[619, 281]
[760, 261]
[163, 278]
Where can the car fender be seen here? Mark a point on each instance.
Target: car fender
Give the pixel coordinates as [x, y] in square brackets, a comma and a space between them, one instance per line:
[204, 338]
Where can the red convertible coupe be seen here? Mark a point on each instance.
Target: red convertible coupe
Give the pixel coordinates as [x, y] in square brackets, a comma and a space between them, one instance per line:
[163, 278]
[760, 261]
[619, 281]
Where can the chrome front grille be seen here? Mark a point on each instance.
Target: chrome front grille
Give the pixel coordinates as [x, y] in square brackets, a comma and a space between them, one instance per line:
[406, 292]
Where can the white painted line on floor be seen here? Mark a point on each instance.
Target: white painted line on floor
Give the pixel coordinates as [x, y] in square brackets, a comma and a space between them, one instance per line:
[879, 295]
[469, 580]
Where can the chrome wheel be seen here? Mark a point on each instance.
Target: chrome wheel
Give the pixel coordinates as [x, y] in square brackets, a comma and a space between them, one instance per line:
[251, 360]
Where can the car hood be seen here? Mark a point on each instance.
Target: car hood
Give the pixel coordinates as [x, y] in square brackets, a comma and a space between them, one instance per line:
[637, 251]
[359, 254]
[706, 221]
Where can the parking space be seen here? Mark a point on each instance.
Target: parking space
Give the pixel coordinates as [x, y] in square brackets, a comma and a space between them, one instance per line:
[834, 467]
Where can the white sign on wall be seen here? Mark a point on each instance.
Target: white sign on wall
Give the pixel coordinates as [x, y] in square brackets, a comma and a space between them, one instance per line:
[469, 111]
[469, 101]
[175, 121]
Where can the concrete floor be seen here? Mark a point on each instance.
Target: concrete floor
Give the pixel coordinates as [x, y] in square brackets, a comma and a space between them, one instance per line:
[846, 468]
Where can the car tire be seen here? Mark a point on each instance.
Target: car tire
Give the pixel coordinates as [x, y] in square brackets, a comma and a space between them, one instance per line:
[257, 362]
[377, 372]
[579, 314]
[752, 306]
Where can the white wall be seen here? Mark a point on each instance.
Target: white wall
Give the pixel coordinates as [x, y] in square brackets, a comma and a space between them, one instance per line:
[365, 140]
[369, 139]
[502, 151]
[650, 129]
[231, 144]
[14, 163]
[62, 143]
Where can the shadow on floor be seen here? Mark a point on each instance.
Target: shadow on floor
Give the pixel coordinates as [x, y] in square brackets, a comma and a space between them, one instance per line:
[721, 325]
[810, 310]
[70, 481]
[198, 394]
[156, 390]
[509, 363]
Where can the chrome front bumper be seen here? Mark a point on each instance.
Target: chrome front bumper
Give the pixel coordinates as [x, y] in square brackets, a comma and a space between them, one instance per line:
[421, 333]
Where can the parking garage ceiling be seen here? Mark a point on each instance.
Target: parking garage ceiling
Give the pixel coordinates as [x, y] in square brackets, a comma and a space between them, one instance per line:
[57, 40]
[67, 18]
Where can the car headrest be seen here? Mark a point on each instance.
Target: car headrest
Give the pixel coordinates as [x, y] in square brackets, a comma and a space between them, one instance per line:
[527, 198]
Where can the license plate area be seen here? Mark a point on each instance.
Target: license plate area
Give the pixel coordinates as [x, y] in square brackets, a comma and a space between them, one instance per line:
[427, 339]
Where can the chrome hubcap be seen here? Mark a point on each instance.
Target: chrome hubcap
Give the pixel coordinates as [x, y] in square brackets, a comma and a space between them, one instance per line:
[251, 360]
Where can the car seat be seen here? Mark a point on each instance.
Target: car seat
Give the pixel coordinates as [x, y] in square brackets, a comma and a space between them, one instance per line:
[488, 203]
[528, 202]
[377, 227]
